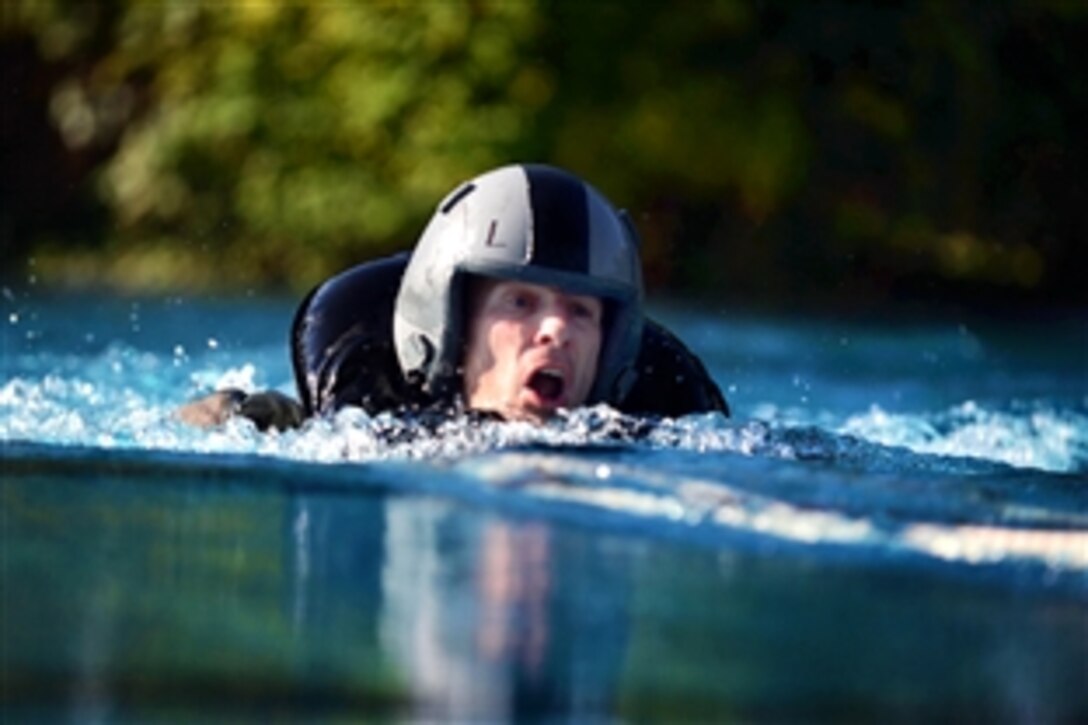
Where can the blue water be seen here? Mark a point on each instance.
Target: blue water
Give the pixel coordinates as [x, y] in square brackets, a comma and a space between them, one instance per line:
[892, 526]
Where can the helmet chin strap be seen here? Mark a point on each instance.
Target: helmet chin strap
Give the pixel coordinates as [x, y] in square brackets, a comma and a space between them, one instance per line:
[622, 383]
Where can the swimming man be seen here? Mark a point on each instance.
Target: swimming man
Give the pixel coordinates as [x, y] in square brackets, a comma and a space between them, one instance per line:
[523, 297]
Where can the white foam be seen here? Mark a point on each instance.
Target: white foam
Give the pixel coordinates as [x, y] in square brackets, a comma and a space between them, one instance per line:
[126, 398]
[1037, 437]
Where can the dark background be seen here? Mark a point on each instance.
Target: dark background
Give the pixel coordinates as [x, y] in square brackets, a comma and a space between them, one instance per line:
[794, 156]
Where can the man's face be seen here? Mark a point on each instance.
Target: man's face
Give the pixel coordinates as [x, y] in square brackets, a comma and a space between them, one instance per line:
[530, 349]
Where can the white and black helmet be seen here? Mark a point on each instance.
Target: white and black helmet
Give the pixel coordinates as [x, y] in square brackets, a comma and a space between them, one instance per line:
[533, 223]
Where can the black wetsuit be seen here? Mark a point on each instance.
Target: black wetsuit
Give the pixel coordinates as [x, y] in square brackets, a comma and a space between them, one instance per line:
[343, 355]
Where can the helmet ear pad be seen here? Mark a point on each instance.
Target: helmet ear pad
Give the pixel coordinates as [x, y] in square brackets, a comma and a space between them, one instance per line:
[621, 337]
[467, 291]
[446, 381]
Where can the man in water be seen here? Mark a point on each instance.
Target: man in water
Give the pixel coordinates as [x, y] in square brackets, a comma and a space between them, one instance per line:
[523, 297]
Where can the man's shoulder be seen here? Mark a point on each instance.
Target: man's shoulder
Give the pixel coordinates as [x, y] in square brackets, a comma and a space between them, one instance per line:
[341, 340]
[671, 380]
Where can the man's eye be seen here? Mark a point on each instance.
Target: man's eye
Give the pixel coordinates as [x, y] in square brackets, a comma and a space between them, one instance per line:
[520, 301]
[582, 310]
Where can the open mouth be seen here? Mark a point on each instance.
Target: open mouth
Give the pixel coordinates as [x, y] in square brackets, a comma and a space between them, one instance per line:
[548, 384]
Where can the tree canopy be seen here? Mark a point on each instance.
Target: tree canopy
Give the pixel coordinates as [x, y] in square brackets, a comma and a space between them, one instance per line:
[775, 152]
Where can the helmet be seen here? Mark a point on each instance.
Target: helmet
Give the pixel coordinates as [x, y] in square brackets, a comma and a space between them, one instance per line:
[532, 223]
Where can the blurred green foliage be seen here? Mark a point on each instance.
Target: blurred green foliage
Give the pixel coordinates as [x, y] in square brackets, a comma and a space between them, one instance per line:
[776, 152]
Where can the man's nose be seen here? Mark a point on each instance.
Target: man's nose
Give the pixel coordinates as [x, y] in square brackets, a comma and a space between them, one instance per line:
[554, 327]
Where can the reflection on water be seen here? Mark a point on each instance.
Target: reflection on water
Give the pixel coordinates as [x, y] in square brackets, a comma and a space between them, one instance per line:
[498, 618]
[144, 598]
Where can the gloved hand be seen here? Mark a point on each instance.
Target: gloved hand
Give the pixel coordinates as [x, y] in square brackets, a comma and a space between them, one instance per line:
[270, 409]
[211, 410]
[267, 409]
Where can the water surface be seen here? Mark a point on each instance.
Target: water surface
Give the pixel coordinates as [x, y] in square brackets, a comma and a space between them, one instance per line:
[893, 526]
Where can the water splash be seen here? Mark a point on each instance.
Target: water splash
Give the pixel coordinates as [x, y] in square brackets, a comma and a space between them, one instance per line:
[125, 397]
[1035, 436]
